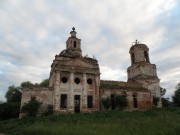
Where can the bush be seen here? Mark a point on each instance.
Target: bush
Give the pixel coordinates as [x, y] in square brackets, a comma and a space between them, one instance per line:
[31, 107]
[49, 110]
[121, 101]
[9, 110]
[106, 103]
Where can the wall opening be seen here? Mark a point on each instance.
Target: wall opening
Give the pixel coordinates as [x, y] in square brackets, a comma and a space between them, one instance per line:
[75, 44]
[63, 101]
[135, 101]
[77, 103]
[64, 79]
[113, 104]
[89, 81]
[146, 56]
[77, 80]
[90, 101]
[132, 58]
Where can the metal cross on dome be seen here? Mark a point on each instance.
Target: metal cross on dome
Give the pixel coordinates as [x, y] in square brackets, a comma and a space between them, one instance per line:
[136, 42]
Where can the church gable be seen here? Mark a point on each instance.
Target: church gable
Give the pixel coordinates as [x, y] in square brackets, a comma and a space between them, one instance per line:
[78, 62]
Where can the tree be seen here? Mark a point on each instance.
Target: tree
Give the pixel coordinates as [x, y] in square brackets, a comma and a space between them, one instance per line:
[165, 102]
[163, 91]
[9, 110]
[44, 83]
[27, 84]
[176, 96]
[13, 94]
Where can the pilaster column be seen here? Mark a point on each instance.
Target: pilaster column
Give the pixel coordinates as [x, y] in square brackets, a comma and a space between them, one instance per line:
[84, 93]
[57, 91]
[71, 93]
[97, 96]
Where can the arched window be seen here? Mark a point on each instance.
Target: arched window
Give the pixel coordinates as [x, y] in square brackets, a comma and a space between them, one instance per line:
[146, 56]
[132, 58]
[74, 44]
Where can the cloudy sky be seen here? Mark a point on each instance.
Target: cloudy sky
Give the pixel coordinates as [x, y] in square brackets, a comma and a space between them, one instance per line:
[32, 32]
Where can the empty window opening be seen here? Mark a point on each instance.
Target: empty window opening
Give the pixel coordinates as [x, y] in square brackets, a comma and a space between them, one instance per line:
[64, 79]
[74, 44]
[89, 81]
[135, 101]
[90, 101]
[77, 80]
[146, 56]
[63, 101]
[77, 101]
[132, 58]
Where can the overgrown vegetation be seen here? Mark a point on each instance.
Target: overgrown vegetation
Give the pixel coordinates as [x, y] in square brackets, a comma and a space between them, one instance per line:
[13, 94]
[116, 102]
[176, 96]
[31, 107]
[120, 101]
[116, 86]
[106, 103]
[11, 108]
[28, 84]
[152, 122]
[165, 102]
[49, 110]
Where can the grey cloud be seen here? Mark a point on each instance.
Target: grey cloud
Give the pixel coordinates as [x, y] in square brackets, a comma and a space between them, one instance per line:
[32, 32]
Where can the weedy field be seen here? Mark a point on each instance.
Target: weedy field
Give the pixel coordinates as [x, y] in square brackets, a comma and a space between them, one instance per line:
[152, 122]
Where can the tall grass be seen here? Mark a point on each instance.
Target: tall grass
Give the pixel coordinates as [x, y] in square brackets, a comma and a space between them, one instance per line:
[153, 122]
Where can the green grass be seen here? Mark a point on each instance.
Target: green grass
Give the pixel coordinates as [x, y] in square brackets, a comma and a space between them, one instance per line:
[153, 122]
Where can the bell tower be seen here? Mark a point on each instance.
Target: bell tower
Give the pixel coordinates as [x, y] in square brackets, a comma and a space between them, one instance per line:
[141, 70]
[73, 43]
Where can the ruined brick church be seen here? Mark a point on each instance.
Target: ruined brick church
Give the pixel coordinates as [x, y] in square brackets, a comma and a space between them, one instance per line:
[75, 85]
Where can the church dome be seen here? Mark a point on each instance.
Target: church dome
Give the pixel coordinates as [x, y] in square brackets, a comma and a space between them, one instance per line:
[139, 53]
[140, 46]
